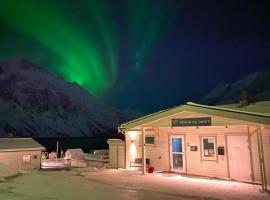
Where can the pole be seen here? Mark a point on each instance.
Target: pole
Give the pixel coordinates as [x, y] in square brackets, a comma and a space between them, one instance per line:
[57, 150]
[250, 154]
[261, 158]
[143, 151]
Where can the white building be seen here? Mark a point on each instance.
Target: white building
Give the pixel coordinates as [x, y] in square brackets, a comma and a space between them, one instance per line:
[20, 153]
[74, 154]
[226, 142]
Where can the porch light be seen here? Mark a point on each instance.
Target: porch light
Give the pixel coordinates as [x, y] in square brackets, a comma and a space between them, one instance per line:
[133, 149]
[132, 135]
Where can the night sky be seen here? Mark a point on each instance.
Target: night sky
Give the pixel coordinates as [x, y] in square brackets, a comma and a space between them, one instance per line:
[145, 55]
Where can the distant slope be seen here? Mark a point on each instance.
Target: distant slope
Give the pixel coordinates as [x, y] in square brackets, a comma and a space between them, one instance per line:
[262, 107]
[257, 86]
[34, 102]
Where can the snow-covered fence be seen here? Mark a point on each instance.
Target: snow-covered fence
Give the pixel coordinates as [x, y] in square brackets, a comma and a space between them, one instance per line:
[59, 163]
[98, 159]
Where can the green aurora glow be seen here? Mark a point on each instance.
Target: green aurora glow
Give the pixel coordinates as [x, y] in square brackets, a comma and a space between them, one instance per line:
[82, 45]
[146, 23]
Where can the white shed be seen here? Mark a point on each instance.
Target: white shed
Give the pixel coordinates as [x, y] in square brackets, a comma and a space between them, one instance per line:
[74, 154]
[116, 153]
[76, 157]
[20, 153]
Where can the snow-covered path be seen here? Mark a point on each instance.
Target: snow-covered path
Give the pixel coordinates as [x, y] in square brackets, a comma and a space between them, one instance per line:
[120, 184]
[177, 186]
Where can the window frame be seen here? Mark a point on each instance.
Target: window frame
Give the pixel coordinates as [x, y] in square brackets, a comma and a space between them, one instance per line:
[150, 136]
[26, 163]
[214, 158]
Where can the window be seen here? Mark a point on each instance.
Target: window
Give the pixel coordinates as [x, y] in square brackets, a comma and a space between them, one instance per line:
[208, 148]
[26, 160]
[149, 139]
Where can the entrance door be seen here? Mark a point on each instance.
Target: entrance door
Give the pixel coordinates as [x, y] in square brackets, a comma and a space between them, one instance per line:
[239, 158]
[177, 154]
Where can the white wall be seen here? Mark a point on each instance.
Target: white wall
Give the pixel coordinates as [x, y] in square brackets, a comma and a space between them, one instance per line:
[159, 153]
[14, 159]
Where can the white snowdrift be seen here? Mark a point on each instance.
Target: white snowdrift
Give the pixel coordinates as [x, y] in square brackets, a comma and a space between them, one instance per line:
[104, 184]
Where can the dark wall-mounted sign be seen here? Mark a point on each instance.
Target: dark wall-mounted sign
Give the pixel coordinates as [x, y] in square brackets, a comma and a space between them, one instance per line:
[200, 121]
[221, 151]
[193, 148]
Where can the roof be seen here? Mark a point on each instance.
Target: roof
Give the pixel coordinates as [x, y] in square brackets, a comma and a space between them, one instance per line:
[78, 150]
[258, 107]
[19, 144]
[260, 116]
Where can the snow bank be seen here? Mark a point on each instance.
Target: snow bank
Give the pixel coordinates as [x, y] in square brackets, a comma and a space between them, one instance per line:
[7, 171]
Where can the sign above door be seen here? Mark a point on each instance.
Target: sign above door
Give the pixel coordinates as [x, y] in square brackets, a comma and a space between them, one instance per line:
[200, 121]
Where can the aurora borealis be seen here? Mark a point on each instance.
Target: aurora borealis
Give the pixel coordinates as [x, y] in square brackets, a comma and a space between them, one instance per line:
[141, 54]
[83, 46]
[86, 58]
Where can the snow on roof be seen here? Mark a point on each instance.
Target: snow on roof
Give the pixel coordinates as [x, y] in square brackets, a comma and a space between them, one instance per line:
[19, 144]
[78, 150]
[235, 108]
[257, 107]
[258, 113]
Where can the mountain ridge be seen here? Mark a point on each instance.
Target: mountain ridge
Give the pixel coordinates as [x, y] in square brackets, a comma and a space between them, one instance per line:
[34, 102]
[256, 85]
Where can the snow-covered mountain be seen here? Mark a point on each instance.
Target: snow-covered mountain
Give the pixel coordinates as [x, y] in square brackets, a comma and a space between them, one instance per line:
[34, 102]
[256, 85]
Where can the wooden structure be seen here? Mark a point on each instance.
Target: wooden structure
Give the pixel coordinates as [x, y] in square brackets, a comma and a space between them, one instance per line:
[20, 153]
[214, 141]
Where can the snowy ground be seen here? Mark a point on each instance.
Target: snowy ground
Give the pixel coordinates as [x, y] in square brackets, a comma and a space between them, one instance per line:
[86, 184]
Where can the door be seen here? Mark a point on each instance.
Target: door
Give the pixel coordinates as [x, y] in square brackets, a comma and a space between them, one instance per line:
[239, 158]
[177, 154]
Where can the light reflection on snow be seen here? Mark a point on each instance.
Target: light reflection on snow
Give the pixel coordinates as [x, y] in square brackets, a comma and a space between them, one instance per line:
[103, 184]
[198, 180]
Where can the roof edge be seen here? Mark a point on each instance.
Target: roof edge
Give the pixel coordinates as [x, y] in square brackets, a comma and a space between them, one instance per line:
[149, 115]
[23, 149]
[228, 109]
[123, 126]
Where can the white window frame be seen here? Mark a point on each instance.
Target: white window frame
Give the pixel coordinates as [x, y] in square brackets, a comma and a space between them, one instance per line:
[214, 158]
[23, 160]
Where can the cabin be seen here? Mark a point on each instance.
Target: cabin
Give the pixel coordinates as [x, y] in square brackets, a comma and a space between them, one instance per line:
[20, 153]
[226, 142]
[74, 154]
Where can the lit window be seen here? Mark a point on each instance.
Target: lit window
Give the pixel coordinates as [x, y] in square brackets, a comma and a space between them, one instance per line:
[208, 148]
[26, 160]
[149, 139]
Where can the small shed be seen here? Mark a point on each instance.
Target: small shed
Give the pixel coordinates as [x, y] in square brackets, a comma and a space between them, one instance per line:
[20, 153]
[74, 154]
[76, 157]
[117, 153]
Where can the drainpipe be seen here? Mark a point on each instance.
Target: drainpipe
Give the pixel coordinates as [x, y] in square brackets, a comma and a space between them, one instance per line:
[261, 158]
[250, 154]
[143, 151]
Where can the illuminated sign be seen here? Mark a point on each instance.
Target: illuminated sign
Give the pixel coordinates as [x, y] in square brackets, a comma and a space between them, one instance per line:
[200, 121]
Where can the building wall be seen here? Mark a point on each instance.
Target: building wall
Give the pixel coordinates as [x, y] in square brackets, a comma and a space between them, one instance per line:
[266, 146]
[159, 152]
[14, 159]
